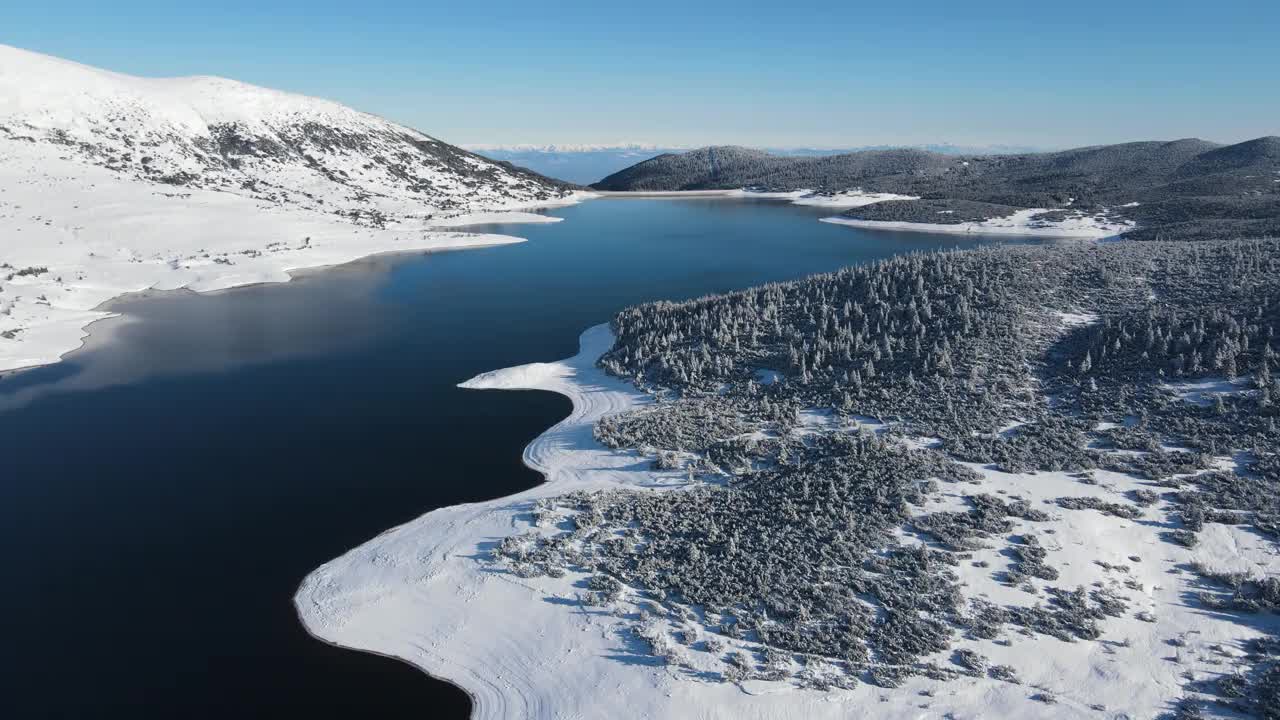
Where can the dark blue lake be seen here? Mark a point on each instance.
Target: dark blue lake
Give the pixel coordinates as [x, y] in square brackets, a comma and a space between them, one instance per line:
[162, 494]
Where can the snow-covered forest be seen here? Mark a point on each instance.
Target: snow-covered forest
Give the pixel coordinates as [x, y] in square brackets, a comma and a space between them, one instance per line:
[819, 424]
[1177, 190]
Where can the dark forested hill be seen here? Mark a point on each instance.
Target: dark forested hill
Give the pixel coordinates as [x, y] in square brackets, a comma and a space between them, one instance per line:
[730, 166]
[709, 167]
[1181, 189]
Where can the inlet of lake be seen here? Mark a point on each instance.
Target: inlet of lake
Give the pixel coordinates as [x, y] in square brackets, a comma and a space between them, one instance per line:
[163, 492]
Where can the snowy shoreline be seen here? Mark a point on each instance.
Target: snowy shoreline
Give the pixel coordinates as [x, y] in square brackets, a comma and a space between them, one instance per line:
[63, 336]
[373, 598]
[112, 184]
[624, 194]
[427, 592]
[1019, 224]
[204, 240]
[846, 199]
[81, 236]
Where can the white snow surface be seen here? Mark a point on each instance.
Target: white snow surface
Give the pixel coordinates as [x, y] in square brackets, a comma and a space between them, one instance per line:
[426, 592]
[275, 146]
[846, 199]
[496, 218]
[1206, 391]
[1077, 319]
[1021, 223]
[111, 184]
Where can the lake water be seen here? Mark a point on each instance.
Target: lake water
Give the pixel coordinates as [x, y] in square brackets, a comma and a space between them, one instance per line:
[162, 494]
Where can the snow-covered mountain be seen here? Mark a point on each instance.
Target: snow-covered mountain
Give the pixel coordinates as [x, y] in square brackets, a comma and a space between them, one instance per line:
[111, 184]
[213, 133]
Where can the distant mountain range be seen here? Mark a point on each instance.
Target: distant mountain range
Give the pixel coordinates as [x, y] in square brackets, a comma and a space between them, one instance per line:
[579, 164]
[586, 164]
[1173, 189]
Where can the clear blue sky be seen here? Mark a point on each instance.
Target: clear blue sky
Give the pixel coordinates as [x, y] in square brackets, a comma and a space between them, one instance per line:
[702, 71]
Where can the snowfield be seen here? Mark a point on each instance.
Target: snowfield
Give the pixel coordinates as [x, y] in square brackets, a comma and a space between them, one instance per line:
[1022, 223]
[429, 593]
[848, 199]
[111, 184]
[274, 146]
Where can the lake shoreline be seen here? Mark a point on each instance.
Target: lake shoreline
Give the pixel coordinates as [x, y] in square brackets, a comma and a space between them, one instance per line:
[353, 369]
[846, 199]
[1016, 225]
[430, 593]
[101, 329]
[62, 336]
[334, 597]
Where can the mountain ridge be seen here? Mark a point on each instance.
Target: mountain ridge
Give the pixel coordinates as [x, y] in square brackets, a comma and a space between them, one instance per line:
[1173, 189]
[1074, 158]
[215, 133]
[587, 163]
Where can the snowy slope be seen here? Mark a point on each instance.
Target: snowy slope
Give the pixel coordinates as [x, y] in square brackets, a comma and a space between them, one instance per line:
[112, 184]
[220, 134]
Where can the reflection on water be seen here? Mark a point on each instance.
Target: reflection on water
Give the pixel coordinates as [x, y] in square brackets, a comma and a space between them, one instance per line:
[162, 493]
[173, 333]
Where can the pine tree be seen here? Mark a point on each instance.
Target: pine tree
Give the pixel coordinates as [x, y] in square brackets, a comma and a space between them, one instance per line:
[1086, 364]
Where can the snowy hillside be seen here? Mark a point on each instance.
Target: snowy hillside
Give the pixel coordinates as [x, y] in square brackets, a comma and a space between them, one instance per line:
[112, 184]
[219, 134]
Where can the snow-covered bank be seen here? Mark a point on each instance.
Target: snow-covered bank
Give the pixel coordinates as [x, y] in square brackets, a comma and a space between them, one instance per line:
[667, 193]
[424, 592]
[517, 214]
[1021, 223]
[427, 592]
[494, 218]
[847, 199]
[77, 235]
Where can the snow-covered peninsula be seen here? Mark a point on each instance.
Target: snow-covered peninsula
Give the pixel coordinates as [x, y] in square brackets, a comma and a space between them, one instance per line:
[426, 593]
[111, 184]
[431, 592]
[1065, 535]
